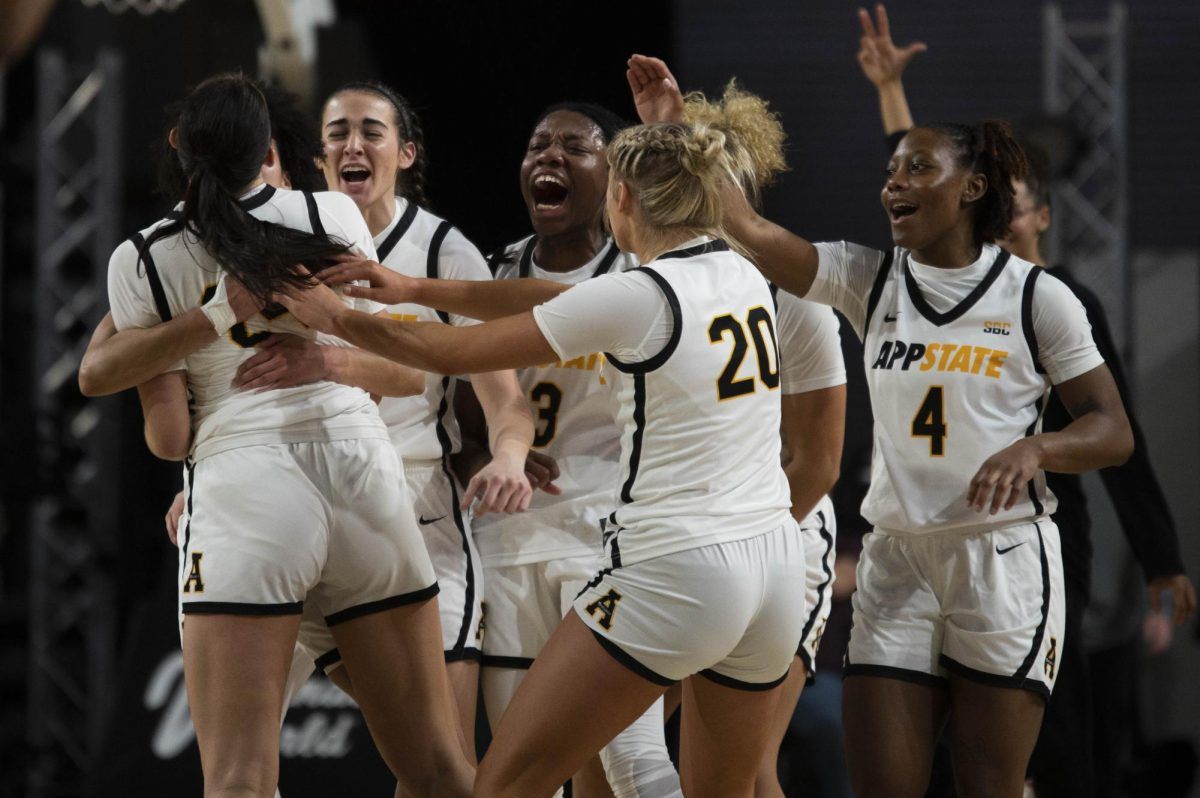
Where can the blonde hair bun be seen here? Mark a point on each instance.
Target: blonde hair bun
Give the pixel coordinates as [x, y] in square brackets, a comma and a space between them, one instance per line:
[755, 136]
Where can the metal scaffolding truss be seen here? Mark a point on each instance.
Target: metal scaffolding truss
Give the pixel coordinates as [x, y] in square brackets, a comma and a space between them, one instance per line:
[1084, 79]
[72, 587]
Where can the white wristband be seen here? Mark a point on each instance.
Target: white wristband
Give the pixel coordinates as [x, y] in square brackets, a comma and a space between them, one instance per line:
[218, 310]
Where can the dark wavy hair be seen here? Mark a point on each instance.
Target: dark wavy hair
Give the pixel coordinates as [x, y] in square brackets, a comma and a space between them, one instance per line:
[410, 182]
[990, 149]
[223, 135]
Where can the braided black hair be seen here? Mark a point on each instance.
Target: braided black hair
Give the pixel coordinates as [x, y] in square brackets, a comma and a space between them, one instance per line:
[990, 149]
[410, 182]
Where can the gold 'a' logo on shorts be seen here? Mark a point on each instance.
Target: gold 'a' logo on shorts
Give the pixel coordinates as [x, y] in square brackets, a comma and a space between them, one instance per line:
[194, 582]
[1051, 657]
[606, 605]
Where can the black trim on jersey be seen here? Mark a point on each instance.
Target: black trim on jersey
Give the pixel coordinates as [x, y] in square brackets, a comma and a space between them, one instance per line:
[260, 199]
[393, 238]
[716, 245]
[774, 294]
[639, 429]
[816, 610]
[314, 214]
[623, 657]
[156, 286]
[1036, 647]
[371, 607]
[885, 266]
[941, 319]
[240, 608]
[610, 257]
[328, 660]
[677, 327]
[993, 679]
[900, 674]
[1039, 406]
[1027, 317]
[526, 260]
[738, 684]
[495, 661]
[174, 216]
[431, 259]
[462, 654]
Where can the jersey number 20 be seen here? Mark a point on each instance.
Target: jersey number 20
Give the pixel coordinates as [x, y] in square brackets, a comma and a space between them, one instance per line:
[757, 320]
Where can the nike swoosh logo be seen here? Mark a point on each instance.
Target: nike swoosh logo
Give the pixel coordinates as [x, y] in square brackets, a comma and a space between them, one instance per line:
[889, 319]
[1010, 548]
[423, 521]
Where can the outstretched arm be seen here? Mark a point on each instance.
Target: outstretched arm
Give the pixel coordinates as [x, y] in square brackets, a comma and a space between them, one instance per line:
[476, 299]
[784, 258]
[284, 361]
[883, 63]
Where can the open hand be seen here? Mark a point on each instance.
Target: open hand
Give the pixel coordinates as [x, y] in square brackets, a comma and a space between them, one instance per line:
[283, 361]
[1002, 478]
[1181, 591]
[317, 305]
[655, 90]
[881, 60]
[385, 286]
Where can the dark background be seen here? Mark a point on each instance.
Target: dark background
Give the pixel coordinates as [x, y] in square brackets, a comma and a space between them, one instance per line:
[479, 73]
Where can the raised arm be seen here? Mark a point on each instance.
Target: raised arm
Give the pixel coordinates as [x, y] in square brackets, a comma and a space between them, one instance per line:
[485, 300]
[883, 63]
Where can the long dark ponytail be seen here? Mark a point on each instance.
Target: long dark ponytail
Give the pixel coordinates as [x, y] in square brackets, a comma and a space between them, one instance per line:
[223, 135]
[410, 182]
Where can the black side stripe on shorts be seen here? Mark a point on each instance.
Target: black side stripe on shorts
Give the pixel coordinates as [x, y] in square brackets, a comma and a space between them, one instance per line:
[187, 528]
[812, 616]
[314, 214]
[393, 238]
[888, 672]
[152, 277]
[885, 266]
[738, 684]
[432, 272]
[1027, 317]
[623, 657]
[382, 605]
[1036, 647]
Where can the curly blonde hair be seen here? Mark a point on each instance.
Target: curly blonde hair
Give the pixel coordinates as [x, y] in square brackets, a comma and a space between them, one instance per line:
[753, 132]
[675, 173]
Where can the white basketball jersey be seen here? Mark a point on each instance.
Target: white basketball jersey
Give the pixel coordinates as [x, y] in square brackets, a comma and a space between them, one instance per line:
[419, 244]
[948, 391]
[177, 275]
[573, 407]
[700, 421]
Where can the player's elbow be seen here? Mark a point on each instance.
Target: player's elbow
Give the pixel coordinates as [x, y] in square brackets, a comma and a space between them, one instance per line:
[1123, 443]
[169, 444]
[91, 379]
[413, 383]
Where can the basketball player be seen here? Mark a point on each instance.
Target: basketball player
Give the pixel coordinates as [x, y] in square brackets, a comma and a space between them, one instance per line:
[1062, 763]
[332, 526]
[536, 562]
[959, 609]
[374, 153]
[705, 565]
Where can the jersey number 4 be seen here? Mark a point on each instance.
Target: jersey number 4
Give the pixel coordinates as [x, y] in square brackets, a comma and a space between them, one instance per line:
[929, 422]
[757, 320]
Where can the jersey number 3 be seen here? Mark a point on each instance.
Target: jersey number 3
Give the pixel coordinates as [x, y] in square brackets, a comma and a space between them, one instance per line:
[548, 398]
[757, 320]
[929, 422]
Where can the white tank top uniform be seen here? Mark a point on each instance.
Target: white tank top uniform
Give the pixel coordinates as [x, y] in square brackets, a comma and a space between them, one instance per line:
[959, 364]
[810, 359]
[328, 526]
[704, 564]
